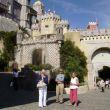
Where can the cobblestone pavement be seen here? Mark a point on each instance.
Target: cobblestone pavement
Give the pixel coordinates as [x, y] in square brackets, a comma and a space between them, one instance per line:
[93, 100]
[28, 100]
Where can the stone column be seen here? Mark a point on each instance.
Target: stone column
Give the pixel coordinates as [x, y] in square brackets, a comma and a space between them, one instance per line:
[90, 75]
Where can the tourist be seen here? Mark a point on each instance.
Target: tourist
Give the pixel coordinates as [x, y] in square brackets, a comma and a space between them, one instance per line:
[107, 83]
[42, 88]
[74, 83]
[15, 79]
[59, 86]
[98, 84]
[102, 85]
[15, 65]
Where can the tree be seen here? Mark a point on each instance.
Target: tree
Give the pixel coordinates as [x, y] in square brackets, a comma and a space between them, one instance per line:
[24, 32]
[9, 43]
[73, 60]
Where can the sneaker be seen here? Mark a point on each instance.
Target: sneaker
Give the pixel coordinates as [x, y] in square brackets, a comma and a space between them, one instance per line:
[61, 102]
[40, 106]
[75, 105]
[57, 101]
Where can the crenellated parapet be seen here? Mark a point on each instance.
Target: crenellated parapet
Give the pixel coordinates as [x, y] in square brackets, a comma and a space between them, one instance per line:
[63, 23]
[73, 30]
[92, 23]
[95, 32]
[101, 34]
[52, 16]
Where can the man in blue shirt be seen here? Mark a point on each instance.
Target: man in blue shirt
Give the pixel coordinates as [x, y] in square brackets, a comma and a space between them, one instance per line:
[59, 86]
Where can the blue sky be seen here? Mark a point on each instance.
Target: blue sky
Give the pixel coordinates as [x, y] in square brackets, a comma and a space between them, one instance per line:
[80, 12]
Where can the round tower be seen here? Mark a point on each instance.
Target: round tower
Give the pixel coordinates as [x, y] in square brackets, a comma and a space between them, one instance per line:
[39, 7]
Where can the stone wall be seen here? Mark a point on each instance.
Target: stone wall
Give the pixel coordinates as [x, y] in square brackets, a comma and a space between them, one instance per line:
[50, 50]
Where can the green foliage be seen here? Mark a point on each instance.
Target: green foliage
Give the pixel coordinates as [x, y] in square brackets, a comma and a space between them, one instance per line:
[33, 67]
[39, 67]
[24, 31]
[3, 64]
[46, 66]
[73, 60]
[9, 42]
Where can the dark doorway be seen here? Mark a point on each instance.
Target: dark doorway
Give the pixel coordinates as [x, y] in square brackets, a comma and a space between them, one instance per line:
[104, 73]
[37, 57]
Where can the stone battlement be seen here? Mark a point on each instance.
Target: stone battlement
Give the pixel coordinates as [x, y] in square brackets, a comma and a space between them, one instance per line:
[98, 32]
[64, 22]
[99, 37]
[92, 23]
[50, 16]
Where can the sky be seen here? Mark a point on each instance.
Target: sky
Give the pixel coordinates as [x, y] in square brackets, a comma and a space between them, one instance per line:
[80, 12]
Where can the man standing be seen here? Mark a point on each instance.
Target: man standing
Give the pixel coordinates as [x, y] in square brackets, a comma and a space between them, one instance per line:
[59, 86]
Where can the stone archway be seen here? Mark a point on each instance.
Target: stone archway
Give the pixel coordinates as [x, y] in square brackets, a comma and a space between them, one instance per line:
[37, 57]
[99, 59]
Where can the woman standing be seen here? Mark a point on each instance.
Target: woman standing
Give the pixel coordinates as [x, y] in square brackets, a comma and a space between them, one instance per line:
[74, 83]
[43, 90]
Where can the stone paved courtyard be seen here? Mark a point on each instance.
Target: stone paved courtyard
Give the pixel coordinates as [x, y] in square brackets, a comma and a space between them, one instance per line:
[93, 100]
[28, 100]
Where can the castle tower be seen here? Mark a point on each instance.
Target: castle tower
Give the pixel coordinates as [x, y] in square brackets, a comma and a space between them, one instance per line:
[39, 7]
[49, 22]
[24, 12]
[92, 26]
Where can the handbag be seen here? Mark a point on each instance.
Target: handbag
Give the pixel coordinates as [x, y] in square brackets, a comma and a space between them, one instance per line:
[41, 84]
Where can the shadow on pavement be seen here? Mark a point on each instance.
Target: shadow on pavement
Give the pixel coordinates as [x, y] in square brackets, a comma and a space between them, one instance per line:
[54, 101]
[9, 97]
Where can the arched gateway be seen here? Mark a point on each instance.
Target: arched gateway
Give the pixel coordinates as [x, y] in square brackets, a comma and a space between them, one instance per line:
[37, 57]
[100, 59]
[97, 50]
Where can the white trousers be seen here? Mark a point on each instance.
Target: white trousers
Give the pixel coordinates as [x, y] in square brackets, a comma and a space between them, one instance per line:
[42, 96]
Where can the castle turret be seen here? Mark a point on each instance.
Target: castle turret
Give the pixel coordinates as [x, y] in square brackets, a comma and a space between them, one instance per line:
[49, 22]
[65, 25]
[27, 13]
[39, 7]
[92, 26]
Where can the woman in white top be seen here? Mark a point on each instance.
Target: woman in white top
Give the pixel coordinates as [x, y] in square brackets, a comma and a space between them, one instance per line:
[74, 83]
[43, 90]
